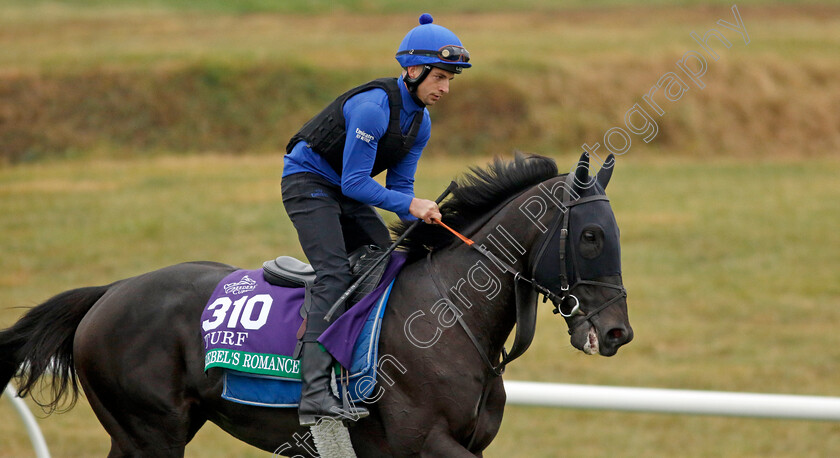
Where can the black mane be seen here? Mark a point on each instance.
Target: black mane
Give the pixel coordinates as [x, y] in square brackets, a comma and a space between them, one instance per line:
[477, 193]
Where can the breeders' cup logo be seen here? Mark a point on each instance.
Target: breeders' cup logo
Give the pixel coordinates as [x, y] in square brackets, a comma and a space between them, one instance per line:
[242, 286]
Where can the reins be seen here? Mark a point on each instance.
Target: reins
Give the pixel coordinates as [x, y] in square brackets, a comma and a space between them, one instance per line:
[497, 370]
[535, 285]
[525, 316]
[517, 275]
[526, 304]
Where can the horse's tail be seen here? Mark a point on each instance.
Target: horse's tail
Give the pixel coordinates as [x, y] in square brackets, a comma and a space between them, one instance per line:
[42, 341]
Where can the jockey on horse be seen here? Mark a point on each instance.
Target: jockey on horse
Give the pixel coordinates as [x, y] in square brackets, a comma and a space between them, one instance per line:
[330, 195]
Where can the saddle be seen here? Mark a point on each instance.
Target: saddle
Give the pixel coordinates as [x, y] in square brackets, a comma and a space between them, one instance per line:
[290, 272]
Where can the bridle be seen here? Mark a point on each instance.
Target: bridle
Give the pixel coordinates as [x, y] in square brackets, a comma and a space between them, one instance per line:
[566, 290]
[525, 308]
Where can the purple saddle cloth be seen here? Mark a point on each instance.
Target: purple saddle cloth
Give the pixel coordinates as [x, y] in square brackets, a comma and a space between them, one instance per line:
[250, 325]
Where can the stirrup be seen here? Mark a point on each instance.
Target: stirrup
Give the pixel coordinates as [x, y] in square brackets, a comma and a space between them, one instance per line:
[340, 414]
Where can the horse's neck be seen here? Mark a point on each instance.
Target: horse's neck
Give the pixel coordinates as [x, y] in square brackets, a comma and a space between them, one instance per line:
[478, 287]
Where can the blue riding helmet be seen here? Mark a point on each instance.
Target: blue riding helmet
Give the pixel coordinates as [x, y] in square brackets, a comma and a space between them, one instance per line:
[431, 45]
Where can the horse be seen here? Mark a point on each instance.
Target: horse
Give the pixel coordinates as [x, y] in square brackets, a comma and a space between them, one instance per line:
[135, 347]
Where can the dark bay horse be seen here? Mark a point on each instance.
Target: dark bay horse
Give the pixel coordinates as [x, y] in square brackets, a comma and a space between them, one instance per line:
[135, 346]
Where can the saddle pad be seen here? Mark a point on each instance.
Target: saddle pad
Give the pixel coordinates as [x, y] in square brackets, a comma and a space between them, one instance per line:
[250, 325]
[271, 391]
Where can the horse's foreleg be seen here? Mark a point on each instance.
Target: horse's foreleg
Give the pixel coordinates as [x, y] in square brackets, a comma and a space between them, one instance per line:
[439, 442]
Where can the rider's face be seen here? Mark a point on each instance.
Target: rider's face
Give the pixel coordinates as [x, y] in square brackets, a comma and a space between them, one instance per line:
[434, 86]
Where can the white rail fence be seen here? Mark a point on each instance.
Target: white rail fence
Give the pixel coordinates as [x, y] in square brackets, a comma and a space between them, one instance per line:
[689, 402]
[35, 435]
[655, 400]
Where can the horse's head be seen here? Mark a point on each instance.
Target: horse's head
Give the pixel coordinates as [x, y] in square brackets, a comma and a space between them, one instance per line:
[575, 261]
[580, 263]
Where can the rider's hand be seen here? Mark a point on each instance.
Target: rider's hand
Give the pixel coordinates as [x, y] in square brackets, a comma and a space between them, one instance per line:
[427, 210]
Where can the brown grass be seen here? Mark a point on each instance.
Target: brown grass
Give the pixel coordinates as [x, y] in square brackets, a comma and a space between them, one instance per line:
[78, 83]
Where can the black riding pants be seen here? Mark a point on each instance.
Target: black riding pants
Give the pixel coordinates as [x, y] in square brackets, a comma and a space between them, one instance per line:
[329, 225]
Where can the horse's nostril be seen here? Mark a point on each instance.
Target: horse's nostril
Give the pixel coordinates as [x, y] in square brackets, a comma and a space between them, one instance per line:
[616, 333]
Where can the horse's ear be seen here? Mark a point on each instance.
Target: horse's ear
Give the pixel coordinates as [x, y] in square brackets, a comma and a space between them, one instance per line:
[606, 171]
[582, 174]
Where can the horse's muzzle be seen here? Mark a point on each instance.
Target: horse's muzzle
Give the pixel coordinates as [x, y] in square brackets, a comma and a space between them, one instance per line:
[604, 334]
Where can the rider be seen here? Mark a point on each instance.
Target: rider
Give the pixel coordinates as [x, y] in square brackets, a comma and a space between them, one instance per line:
[329, 193]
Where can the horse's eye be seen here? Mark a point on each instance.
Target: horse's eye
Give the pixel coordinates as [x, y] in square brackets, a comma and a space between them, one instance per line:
[591, 242]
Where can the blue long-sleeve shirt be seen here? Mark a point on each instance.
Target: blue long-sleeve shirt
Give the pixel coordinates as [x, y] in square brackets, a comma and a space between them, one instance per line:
[366, 120]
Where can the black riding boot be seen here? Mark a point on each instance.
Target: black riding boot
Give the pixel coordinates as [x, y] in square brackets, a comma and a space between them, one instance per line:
[316, 398]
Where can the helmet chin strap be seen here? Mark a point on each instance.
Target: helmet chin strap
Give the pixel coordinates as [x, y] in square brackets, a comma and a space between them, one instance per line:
[413, 83]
